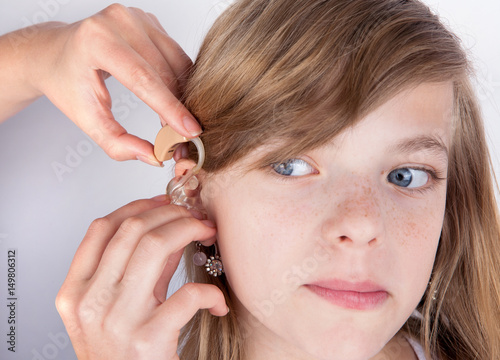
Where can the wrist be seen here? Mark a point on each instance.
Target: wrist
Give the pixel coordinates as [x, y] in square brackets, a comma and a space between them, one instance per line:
[41, 55]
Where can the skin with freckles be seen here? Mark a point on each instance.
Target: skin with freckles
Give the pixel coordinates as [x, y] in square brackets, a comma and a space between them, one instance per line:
[364, 210]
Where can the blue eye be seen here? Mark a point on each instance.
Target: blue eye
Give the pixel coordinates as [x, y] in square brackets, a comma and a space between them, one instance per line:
[408, 178]
[293, 167]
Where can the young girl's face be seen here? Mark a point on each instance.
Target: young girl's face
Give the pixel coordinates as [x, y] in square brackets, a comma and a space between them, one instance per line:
[329, 253]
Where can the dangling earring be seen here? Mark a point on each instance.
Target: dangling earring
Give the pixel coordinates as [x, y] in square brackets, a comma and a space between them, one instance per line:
[213, 264]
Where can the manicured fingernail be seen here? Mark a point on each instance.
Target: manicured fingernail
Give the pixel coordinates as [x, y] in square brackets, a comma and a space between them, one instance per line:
[160, 198]
[149, 161]
[209, 223]
[192, 126]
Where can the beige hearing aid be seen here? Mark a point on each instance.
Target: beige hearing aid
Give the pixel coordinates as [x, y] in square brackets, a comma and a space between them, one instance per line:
[166, 142]
[183, 190]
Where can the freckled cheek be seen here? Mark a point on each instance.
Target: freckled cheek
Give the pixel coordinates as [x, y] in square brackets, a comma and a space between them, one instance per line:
[415, 232]
[269, 224]
[260, 240]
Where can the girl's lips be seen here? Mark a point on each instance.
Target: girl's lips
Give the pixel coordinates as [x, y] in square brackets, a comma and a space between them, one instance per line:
[358, 296]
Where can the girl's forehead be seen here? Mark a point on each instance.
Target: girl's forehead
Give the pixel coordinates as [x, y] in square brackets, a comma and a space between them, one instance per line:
[424, 110]
[423, 98]
[416, 118]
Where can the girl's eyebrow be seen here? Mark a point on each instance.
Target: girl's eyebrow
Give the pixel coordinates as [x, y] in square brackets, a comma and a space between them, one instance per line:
[418, 143]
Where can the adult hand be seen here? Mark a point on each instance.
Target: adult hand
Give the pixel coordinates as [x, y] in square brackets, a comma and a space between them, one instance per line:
[113, 299]
[69, 63]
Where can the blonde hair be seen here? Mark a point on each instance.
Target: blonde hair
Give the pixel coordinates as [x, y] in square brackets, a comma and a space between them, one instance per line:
[302, 72]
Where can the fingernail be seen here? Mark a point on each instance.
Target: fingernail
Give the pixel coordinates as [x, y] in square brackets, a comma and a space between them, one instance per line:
[227, 307]
[192, 126]
[160, 198]
[149, 161]
[209, 223]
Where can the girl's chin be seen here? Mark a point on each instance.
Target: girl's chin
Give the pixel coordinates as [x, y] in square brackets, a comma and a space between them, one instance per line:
[357, 334]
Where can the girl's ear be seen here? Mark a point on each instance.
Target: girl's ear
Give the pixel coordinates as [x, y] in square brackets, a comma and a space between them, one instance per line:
[183, 165]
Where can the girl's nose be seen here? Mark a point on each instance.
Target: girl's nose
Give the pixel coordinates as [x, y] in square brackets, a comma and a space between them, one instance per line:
[354, 219]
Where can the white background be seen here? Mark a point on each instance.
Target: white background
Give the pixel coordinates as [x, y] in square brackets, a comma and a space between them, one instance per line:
[45, 215]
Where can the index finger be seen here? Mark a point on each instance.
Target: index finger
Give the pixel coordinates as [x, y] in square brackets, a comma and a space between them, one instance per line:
[178, 60]
[89, 253]
[133, 71]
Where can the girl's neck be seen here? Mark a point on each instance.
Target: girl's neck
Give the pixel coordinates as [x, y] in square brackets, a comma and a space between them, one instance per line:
[262, 344]
[397, 348]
